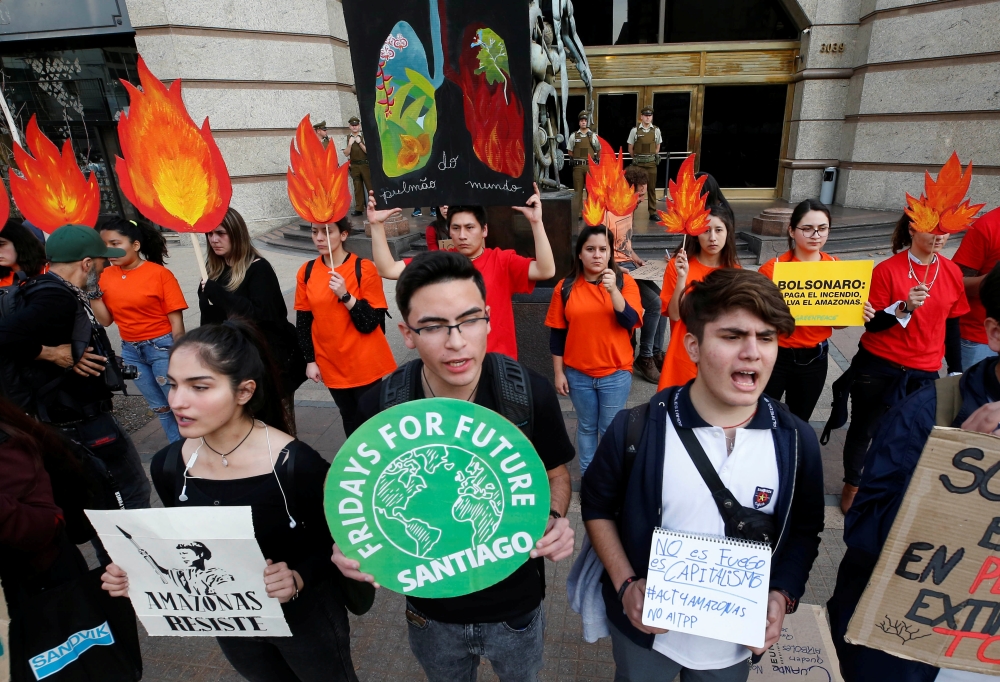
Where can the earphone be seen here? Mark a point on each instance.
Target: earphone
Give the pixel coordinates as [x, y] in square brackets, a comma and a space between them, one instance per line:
[270, 456]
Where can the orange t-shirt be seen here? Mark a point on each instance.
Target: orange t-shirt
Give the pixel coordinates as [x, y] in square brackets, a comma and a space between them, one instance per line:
[802, 337]
[595, 343]
[140, 299]
[677, 366]
[346, 357]
[8, 280]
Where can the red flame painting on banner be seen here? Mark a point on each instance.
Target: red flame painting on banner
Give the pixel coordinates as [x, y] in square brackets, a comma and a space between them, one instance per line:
[317, 184]
[686, 212]
[172, 171]
[53, 191]
[941, 209]
[607, 189]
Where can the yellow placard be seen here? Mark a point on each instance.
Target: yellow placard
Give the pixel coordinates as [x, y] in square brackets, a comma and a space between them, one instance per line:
[827, 293]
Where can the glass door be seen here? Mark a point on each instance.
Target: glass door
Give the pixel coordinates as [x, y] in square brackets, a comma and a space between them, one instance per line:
[673, 114]
[616, 115]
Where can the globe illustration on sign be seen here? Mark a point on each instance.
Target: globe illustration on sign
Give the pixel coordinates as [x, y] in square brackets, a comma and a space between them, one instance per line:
[423, 524]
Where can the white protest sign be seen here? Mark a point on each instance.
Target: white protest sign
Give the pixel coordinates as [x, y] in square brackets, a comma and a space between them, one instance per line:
[192, 571]
[708, 586]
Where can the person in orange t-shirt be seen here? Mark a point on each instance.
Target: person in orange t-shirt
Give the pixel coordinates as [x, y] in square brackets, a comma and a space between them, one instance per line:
[144, 299]
[20, 251]
[340, 319]
[591, 338]
[712, 249]
[800, 370]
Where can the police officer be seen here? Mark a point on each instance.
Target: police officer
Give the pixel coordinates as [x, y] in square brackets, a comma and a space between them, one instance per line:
[644, 146]
[320, 130]
[582, 144]
[357, 152]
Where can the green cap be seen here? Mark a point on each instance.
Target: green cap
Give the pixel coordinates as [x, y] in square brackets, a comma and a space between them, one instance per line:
[321, 124]
[354, 120]
[72, 243]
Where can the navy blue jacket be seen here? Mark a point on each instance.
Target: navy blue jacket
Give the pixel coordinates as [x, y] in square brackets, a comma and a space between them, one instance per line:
[799, 511]
[889, 465]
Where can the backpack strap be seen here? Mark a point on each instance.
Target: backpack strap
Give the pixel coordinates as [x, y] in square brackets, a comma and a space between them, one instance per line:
[634, 429]
[172, 464]
[512, 391]
[309, 271]
[400, 386]
[949, 400]
[357, 270]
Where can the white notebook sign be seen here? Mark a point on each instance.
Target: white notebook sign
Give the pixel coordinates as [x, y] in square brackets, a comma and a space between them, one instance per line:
[708, 586]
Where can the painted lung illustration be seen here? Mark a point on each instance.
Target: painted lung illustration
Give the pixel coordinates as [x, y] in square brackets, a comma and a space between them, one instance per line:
[493, 114]
[405, 109]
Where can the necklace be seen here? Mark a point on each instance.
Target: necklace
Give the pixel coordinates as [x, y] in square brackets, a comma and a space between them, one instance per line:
[434, 395]
[125, 272]
[731, 442]
[913, 275]
[736, 426]
[225, 462]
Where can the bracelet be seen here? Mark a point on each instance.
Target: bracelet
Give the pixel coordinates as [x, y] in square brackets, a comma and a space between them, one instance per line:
[554, 514]
[296, 584]
[791, 603]
[628, 581]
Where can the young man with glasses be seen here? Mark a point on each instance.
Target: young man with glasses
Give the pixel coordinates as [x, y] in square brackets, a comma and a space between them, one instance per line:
[445, 317]
[505, 272]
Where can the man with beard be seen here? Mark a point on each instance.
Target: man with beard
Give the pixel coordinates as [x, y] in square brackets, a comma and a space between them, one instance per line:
[62, 354]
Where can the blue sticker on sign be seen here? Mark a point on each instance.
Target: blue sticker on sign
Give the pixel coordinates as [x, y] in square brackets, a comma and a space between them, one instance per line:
[55, 659]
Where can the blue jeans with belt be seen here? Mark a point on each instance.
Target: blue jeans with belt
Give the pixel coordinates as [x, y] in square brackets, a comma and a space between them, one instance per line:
[596, 400]
[151, 358]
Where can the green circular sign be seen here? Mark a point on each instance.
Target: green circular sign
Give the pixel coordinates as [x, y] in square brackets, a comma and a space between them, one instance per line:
[437, 498]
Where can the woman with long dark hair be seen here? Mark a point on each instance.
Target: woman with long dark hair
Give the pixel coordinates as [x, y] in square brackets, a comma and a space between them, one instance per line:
[241, 282]
[712, 249]
[236, 451]
[592, 317]
[918, 296]
[20, 251]
[438, 231]
[145, 300]
[800, 371]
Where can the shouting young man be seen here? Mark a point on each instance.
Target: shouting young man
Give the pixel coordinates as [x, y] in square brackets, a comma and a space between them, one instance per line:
[754, 444]
[446, 318]
[505, 272]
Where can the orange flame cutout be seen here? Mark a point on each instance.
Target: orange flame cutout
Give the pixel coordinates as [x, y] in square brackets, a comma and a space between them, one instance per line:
[686, 212]
[607, 188]
[172, 171]
[53, 191]
[940, 210]
[4, 205]
[317, 185]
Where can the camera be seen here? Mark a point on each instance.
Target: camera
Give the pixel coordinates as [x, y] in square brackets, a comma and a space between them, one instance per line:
[127, 371]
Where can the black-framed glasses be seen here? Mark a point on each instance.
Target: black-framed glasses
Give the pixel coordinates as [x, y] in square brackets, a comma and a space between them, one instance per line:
[474, 325]
[811, 231]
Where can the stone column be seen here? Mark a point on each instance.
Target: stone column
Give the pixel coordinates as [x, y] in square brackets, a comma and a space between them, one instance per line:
[255, 68]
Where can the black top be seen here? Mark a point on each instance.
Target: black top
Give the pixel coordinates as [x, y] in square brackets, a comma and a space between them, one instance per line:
[305, 548]
[524, 589]
[47, 319]
[259, 299]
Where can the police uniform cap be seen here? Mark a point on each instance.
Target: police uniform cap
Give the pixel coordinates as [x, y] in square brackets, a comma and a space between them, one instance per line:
[354, 120]
[583, 115]
[321, 124]
[647, 111]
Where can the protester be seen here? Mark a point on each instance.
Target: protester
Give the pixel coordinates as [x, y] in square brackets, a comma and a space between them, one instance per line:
[437, 230]
[235, 451]
[800, 371]
[592, 317]
[733, 319]
[445, 317]
[241, 282]
[971, 403]
[901, 348]
[977, 255]
[712, 190]
[56, 329]
[20, 252]
[145, 300]
[340, 318]
[712, 249]
[506, 273]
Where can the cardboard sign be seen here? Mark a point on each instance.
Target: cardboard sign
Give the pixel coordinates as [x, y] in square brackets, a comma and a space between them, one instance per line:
[444, 89]
[437, 498]
[192, 571]
[652, 271]
[935, 593]
[825, 294]
[708, 586]
[804, 652]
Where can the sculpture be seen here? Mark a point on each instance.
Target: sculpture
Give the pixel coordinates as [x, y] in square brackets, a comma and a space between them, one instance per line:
[552, 42]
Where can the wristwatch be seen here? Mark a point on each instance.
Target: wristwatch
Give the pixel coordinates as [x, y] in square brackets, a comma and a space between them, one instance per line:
[345, 298]
[791, 603]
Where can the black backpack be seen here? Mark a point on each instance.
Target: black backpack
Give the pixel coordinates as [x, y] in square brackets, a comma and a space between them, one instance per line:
[357, 275]
[511, 389]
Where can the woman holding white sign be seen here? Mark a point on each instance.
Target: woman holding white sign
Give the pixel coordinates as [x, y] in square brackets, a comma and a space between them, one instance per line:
[800, 370]
[225, 393]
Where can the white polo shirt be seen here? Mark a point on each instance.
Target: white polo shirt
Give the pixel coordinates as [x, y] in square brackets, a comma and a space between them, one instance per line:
[750, 473]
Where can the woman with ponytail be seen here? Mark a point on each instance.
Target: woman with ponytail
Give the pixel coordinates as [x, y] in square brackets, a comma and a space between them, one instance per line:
[235, 451]
[145, 300]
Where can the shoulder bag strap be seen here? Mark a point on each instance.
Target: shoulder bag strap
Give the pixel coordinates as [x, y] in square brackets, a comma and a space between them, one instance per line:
[633, 434]
[724, 500]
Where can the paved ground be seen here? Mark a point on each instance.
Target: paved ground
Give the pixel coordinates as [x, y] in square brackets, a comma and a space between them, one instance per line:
[379, 643]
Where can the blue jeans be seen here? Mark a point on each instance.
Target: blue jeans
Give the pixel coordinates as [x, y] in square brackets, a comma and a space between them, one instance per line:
[596, 402]
[973, 352]
[151, 358]
[654, 325]
[636, 664]
[449, 652]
